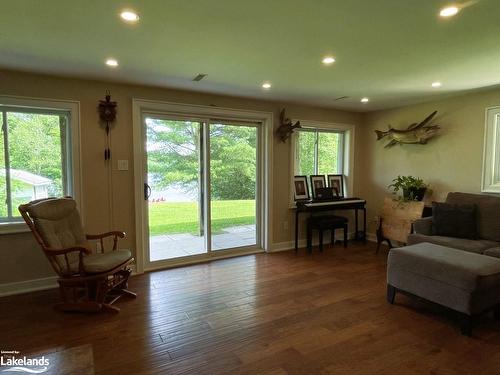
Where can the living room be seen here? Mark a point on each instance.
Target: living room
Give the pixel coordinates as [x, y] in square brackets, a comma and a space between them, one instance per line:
[228, 293]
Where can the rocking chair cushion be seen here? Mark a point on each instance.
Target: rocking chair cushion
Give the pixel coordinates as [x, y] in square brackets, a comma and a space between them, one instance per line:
[58, 222]
[99, 263]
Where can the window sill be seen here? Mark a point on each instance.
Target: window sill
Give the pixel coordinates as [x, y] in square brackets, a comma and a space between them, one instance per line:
[492, 189]
[9, 228]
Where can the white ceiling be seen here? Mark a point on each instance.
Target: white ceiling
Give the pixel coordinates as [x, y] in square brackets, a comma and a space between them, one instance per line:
[388, 50]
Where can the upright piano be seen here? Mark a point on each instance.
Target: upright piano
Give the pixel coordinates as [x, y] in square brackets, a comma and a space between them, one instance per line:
[312, 207]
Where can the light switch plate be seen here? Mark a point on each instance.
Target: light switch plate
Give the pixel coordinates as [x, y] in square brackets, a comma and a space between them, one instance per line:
[123, 165]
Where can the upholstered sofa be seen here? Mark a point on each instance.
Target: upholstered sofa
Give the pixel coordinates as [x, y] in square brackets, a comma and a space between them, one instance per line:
[488, 226]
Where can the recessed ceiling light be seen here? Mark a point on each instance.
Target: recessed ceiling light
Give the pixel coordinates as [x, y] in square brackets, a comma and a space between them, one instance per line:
[328, 60]
[129, 16]
[436, 84]
[266, 85]
[112, 62]
[365, 100]
[449, 11]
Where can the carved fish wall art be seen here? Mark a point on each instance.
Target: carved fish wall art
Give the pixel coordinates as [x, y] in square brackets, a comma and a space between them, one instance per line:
[416, 133]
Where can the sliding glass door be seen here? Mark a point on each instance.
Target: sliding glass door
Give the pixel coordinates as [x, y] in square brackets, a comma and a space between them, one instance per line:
[201, 186]
[233, 184]
[174, 188]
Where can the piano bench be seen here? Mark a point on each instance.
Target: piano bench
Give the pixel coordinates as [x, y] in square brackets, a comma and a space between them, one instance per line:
[322, 223]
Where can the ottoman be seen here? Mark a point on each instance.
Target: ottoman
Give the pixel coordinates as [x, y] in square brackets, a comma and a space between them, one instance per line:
[468, 283]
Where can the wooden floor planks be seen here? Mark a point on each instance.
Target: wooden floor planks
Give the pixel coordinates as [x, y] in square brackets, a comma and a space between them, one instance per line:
[261, 314]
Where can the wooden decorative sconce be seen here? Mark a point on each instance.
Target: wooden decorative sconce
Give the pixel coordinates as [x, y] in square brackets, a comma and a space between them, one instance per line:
[286, 127]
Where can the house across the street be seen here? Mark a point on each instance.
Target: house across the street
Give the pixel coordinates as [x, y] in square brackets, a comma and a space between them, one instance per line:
[28, 186]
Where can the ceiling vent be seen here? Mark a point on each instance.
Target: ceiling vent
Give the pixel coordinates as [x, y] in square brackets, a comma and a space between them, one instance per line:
[199, 77]
[341, 98]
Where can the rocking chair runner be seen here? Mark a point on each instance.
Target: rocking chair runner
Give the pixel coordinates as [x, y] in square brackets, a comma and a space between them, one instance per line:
[87, 282]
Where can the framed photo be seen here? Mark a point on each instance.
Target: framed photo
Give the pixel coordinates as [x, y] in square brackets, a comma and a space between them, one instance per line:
[301, 188]
[317, 181]
[336, 181]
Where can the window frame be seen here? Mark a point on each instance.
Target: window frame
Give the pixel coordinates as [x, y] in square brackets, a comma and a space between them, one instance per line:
[491, 151]
[317, 131]
[347, 152]
[73, 168]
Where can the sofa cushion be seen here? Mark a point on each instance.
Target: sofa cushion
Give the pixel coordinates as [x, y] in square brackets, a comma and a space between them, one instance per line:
[454, 220]
[473, 246]
[488, 206]
[464, 270]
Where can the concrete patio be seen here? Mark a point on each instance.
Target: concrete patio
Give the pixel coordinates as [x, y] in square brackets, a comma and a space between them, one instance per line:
[170, 246]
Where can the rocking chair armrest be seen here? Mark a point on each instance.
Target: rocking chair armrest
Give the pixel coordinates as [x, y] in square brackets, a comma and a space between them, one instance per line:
[115, 233]
[81, 252]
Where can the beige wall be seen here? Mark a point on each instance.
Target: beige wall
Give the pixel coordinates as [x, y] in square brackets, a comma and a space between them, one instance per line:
[451, 162]
[20, 259]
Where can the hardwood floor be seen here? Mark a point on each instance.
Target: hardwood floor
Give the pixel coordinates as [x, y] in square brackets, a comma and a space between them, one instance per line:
[261, 314]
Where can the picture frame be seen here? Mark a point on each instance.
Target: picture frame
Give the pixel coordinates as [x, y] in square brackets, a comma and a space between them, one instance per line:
[317, 181]
[336, 181]
[301, 189]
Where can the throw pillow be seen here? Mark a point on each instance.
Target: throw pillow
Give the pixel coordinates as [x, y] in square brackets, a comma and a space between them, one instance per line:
[454, 220]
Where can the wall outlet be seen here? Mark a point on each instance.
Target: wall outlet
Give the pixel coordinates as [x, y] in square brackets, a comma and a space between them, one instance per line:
[123, 165]
[98, 247]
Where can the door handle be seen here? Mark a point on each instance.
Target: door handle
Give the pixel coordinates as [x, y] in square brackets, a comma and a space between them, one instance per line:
[147, 191]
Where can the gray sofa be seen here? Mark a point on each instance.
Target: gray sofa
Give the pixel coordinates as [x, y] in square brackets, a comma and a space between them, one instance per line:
[488, 225]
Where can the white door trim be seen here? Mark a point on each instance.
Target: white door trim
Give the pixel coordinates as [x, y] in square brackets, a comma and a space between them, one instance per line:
[139, 106]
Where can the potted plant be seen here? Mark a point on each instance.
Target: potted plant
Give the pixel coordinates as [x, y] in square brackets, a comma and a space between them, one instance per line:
[413, 187]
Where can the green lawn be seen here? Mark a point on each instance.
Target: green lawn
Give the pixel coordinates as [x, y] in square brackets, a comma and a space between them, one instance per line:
[182, 217]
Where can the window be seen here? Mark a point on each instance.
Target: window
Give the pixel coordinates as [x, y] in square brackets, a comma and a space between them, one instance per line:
[322, 148]
[491, 159]
[319, 151]
[36, 154]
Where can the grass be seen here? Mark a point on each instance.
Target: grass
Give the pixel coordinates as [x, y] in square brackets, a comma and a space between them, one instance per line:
[182, 217]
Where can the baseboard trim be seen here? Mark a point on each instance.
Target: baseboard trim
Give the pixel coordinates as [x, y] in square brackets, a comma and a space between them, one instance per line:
[284, 246]
[372, 237]
[27, 286]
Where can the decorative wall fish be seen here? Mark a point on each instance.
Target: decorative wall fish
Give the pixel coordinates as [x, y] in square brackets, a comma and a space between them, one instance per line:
[416, 133]
[286, 127]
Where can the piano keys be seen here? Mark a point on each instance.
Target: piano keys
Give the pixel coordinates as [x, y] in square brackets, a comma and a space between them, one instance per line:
[337, 202]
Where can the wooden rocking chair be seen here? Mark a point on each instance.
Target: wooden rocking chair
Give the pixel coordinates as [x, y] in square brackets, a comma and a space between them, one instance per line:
[87, 282]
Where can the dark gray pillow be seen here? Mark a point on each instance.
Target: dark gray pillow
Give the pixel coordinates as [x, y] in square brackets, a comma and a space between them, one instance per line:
[454, 220]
